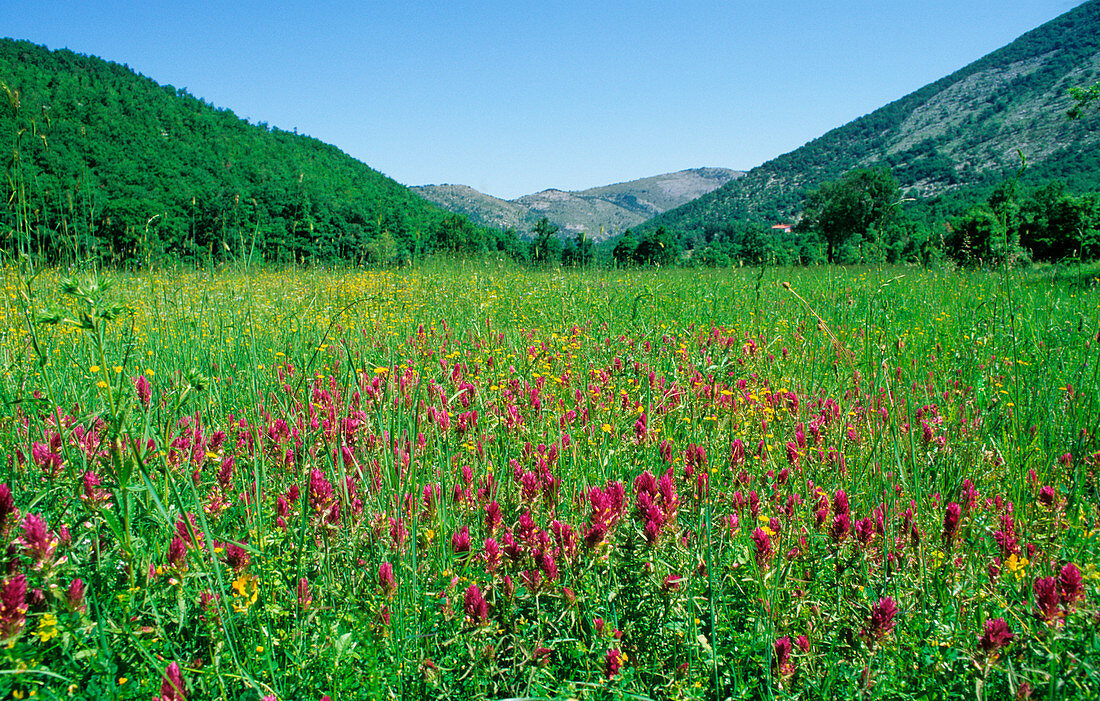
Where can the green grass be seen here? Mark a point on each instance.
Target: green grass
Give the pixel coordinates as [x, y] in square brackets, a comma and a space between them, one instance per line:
[893, 385]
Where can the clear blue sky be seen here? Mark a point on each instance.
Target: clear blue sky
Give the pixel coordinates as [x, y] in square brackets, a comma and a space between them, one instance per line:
[514, 97]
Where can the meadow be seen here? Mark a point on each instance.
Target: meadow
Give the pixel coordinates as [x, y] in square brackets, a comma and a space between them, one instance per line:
[484, 481]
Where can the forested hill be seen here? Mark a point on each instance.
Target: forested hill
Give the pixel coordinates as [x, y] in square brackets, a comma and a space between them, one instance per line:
[964, 131]
[101, 161]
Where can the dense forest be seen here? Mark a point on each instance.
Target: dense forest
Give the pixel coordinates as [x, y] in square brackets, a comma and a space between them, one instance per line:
[102, 162]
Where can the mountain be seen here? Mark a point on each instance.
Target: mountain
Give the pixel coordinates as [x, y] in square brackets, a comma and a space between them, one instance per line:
[962, 133]
[601, 212]
[104, 162]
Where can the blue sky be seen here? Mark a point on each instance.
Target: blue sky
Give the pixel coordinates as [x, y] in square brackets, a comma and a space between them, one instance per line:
[515, 97]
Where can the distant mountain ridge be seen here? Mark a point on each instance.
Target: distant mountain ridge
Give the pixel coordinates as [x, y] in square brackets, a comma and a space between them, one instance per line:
[602, 212]
[965, 130]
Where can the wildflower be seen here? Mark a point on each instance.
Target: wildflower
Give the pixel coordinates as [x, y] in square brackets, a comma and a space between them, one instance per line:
[532, 579]
[803, 643]
[398, 532]
[1070, 589]
[93, 496]
[236, 557]
[997, 634]
[782, 661]
[671, 582]
[47, 627]
[1046, 597]
[542, 655]
[841, 527]
[492, 517]
[187, 531]
[171, 686]
[246, 590]
[386, 579]
[8, 513]
[507, 586]
[1006, 537]
[951, 523]
[75, 596]
[613, 662]
[282, 512]
[763, 544]
[1048, 497]
[865, 531]
[177, 554]
[881, 621]
[325, 508]
[475, 606]
[460, 542]
[143, 390]
[13, 606]
[304, 596]
[38, 543]
[969, 496]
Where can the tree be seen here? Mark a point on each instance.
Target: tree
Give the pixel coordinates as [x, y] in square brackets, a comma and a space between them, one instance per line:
[658, 246]
[1082, 97]
[849, 208]
[623, 253]
[545, 248]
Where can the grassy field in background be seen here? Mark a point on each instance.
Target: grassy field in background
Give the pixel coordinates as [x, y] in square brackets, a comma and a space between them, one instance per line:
[483, 481]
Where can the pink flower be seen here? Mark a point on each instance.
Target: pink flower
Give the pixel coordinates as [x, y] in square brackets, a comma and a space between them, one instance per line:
[1046, 597]
[997, 634]
[763, 544]
[460, 541]
[782, 661]
[542, 656]
[1070, 588]
[236, 557]
[38, 543]
[881, 621]
[304, 597]
[951, 523]
[143, 390]
[13, 606]
[8, 513]
[865, 531]
[475, 606]
[386, 579]
[74, 597]
[1047, 496]
[841, 527]
[613, 662]
[171, 686]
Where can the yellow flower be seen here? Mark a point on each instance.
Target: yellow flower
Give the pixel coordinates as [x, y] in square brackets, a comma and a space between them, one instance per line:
[1017, 566]
[245, 592]
[47, 628]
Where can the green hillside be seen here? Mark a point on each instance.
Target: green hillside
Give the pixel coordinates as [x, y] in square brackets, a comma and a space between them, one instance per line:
[949, 143]
[103, 162]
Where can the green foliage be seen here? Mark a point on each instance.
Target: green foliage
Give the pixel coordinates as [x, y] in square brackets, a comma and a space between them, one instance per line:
[545, 247]
[654, 247]
[1082, 98]
[856, 208]
[103, 163]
